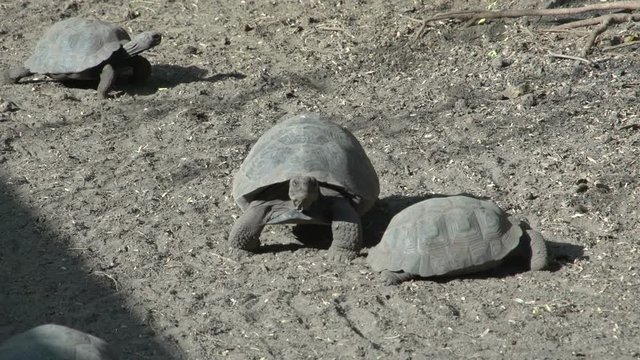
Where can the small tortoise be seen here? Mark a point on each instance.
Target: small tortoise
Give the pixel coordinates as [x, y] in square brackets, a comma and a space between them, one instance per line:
[55, 342]
[453, 235]
[305, 170]
[88, 49]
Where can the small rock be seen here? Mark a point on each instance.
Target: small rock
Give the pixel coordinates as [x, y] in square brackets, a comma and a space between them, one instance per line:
[461, 104]
[581, 209]
[190, 50]
[499, 63]
[8, 106]
[528, 100]
[514, 91]
[582, 188]
[602, 187]
[530, 196]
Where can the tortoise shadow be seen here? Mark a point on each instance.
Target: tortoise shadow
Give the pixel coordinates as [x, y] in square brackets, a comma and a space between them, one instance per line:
[561, 253]
[162, 76]
[170, 76]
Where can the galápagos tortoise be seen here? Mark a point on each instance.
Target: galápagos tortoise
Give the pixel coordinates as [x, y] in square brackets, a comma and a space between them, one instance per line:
[305, 170]
[453, 235]
[55, 342]
[88, 49]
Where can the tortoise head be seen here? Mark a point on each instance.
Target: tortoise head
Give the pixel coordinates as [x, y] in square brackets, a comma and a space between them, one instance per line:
[142, 42]
[303, 191]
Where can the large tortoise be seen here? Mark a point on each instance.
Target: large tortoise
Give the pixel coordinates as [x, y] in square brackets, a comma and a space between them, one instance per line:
[55, 342]
[88, 49]
[451, 236]
[305, 170]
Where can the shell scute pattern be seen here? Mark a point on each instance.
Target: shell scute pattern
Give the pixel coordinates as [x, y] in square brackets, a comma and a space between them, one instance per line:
[442, 235]
[307, 144]
[74, 45]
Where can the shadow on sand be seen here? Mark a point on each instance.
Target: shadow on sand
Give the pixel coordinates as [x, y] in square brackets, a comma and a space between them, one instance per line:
[43, 281]
[162, 76]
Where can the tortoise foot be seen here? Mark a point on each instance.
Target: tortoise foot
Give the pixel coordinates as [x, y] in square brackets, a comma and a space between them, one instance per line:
[395, 278]
[341, 255]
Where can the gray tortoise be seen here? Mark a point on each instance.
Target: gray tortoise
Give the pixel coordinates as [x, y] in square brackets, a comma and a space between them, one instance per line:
[55, 342]
[305, 170]
[451, 236]
[88, 49]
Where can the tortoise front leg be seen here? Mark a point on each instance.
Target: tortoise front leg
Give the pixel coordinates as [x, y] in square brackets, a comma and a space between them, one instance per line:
[538, 260]
[245, 233]
[107, 77]
[12, 76]
[347, 231]
[141, 69]
[531, 253]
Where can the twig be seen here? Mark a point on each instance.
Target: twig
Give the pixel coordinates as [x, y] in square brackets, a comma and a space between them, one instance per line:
[609, 48]
[224, 258]
[615, 18]
[562, 56]
[597, 31]
[115, 282]
[513, 13]
[332, 28]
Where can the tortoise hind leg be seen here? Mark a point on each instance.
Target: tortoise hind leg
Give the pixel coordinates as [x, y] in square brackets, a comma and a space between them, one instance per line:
[347, 231]
[13, 75]
[107, 77]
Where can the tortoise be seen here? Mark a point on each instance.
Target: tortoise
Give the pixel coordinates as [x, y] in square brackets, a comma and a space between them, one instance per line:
[55, 342]
[305, 170]
[88, 49]
[454, 235]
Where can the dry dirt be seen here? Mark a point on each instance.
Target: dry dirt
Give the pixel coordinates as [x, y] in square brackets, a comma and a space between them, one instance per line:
[114, 213]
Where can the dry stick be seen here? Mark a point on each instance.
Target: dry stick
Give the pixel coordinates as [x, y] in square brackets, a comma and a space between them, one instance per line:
[609, 48]
[616, 18]
[597, 31]
[512, 13]
[577, 58]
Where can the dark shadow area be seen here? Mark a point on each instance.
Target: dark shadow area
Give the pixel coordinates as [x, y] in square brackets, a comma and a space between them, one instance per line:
[43, 281]
[169, 76]
[162, 76]
[278, 248]
[561, 254]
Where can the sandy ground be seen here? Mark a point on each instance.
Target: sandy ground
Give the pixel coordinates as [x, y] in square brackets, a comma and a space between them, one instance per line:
[114, 213]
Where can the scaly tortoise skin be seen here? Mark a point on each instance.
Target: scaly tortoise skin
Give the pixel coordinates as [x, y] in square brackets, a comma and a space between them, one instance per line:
[453, 235]
[88, 49]
[305, 170]
[55, 342]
